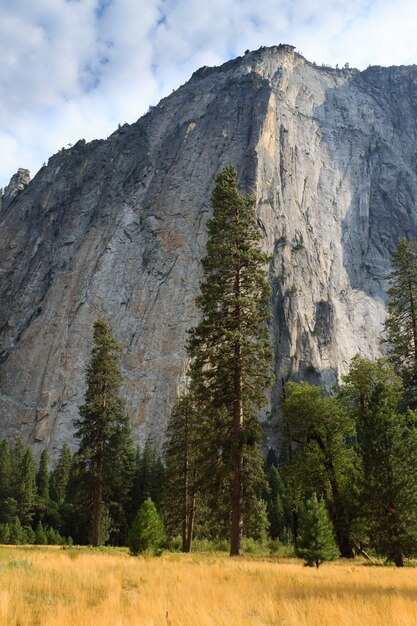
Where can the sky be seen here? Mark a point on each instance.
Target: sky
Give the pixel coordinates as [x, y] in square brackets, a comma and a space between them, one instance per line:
[72, 69]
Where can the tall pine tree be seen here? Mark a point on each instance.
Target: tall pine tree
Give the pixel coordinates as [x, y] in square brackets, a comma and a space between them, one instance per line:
[105, 456]
[230, 348]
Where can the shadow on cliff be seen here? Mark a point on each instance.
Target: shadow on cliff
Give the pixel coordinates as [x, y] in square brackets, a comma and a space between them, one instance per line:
[373, 144]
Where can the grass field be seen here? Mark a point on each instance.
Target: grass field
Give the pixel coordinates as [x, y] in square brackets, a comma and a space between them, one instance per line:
[51, 586]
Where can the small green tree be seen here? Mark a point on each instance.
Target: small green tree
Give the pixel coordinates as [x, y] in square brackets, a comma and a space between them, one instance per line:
[30, 534]
[147, 531]
[16, 532]
[315, 540]
[40, 535]
[4, 533]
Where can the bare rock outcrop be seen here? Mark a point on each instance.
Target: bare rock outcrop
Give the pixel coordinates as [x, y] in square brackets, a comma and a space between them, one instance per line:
[116, 228]
[18, 183]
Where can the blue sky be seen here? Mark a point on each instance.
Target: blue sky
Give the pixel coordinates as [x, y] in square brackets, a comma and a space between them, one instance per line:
[72, 69]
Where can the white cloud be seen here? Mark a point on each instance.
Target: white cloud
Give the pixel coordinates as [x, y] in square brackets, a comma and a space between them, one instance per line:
[75, 68]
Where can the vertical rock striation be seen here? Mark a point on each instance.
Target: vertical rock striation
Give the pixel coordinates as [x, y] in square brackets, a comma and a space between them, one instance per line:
[116, 228]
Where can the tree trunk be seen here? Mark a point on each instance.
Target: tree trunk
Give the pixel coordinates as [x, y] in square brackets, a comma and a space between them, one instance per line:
[237, 486]
[398, 559]
[362, 552]
[413, 320]
[185, 504]
[190, 529]
[236, 531]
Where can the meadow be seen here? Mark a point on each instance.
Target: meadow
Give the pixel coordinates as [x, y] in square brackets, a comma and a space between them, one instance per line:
[48, 586]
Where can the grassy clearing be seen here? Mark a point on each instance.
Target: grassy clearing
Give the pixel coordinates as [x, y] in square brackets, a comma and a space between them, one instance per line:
[50, 586]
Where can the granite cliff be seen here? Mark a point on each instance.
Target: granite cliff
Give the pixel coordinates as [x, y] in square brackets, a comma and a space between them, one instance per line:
[116, 228]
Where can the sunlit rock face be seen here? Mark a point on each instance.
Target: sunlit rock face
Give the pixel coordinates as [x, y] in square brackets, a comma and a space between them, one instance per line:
[116, 228]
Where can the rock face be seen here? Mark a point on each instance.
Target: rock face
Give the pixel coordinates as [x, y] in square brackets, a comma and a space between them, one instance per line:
[18, 182]
[116, 228]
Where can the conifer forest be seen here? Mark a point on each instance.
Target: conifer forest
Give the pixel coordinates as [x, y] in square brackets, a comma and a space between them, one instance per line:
[340, 481]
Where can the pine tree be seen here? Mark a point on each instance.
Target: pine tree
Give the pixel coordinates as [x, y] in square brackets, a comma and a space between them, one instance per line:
[315, 541]
[148, 476]
[230, 348]
[16, 536]
[401, 322]
[4, 533]
[275, 508]
[147, 531]
[387, 441]
[103, 428]
[61, 473]
[181, 457]
[5, 470]
[40, 534]
[42, 478]
[26, 489]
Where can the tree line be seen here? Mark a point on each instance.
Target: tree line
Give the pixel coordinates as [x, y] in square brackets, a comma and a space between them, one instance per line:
[343, 478]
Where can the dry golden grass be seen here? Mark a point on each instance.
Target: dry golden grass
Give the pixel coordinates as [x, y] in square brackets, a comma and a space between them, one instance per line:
[53, 587]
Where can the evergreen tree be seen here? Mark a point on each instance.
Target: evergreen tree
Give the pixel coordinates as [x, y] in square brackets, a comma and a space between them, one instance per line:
[148, 476]
[18, 452]
[16, 536]
[30, 534]
[26, 489]
[42, 478]
[103, 428]
[180, 488]
[319, 429]
[118, 476]
[275, 506]
[147, 531]
[61, 473]
[387, 441]
[315, 541]
[40, 535]
[230, 348]
[6, 470]
[8, 503]
[4, 533]
[401, 321]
